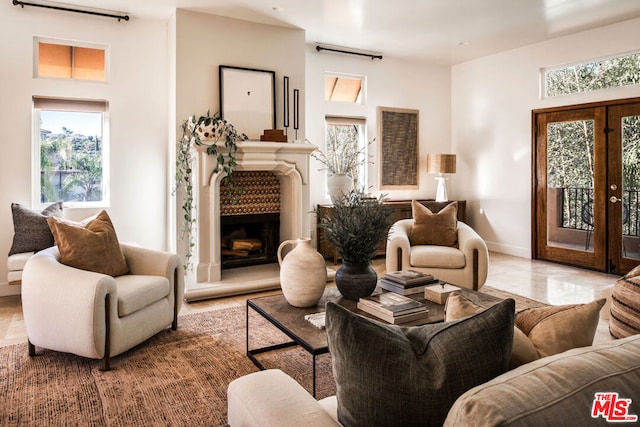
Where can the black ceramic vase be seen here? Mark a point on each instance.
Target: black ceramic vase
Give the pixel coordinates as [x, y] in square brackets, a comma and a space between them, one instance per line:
[356, 280]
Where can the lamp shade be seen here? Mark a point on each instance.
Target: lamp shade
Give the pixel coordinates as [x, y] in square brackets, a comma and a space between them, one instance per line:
[441, 163]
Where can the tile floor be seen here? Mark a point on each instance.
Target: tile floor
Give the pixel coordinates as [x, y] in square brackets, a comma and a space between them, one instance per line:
[543, 281]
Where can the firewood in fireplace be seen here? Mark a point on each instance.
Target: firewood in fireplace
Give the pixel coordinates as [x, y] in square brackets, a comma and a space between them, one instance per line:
[230, 252]
[246, 244]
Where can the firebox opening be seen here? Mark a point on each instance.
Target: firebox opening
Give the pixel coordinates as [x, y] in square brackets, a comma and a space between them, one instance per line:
[249, 239]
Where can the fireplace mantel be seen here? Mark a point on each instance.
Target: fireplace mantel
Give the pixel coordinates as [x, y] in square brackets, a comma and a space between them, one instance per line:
[289, 161]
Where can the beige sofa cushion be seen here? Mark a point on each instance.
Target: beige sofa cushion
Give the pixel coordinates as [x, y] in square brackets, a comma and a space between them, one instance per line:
[432, 256]
[556, 390]
[136, 292]
[91, 245]
[16, 262]
[434, 228]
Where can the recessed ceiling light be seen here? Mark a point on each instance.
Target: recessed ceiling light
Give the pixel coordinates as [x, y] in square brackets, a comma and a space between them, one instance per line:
[464, 43]
[276, 8]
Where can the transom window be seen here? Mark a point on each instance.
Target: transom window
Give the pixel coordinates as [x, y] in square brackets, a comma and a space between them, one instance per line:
[344, 88]
[66, 61]
[70, 152]
[623, 70]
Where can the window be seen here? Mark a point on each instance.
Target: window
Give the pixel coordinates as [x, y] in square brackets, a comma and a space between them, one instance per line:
[343, 88]
[70, 151]
[618, 71]
[346, 140]
[70, 62]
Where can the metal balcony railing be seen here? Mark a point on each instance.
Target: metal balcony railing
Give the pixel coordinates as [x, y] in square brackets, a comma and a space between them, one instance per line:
[577, 210]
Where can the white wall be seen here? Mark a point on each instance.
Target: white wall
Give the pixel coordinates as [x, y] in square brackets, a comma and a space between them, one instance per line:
[390, 82]
[138, 105]
[492, 99]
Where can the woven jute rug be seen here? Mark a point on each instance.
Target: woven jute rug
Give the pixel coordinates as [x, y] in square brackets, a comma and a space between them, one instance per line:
[175, 378]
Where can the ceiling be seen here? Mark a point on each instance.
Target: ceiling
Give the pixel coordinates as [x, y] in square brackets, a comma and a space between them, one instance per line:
[440, 31]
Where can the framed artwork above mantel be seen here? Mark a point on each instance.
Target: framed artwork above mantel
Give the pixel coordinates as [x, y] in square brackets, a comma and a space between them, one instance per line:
[248, 99]
[399, 148]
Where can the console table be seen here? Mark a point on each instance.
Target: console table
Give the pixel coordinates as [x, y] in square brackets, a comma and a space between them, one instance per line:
[401, 210]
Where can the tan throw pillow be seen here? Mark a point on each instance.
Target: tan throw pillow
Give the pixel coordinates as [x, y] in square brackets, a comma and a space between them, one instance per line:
[91, 245]
[555, 329]
[434, 228]
[459, 307]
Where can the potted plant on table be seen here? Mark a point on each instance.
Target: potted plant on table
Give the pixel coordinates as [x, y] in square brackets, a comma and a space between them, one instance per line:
[357, 225]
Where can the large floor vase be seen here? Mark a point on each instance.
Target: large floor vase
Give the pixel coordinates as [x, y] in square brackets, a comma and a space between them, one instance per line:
[356, 280]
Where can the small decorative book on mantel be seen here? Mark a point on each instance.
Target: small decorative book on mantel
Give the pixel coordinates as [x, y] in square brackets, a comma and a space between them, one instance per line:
[274, 135]
[439, 293]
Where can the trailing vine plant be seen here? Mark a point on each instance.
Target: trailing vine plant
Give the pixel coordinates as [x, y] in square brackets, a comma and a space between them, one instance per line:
[219, 138]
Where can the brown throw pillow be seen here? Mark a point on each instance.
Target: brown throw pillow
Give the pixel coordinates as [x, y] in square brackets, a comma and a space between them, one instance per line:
[458, 307]
[91, 245]
[555, 329]
[434, 229]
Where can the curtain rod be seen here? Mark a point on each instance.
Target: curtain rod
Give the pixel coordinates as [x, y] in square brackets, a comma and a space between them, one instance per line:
[68, 9]
[369, 55]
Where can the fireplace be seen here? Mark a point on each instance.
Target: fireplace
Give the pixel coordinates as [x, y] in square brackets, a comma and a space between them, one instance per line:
[288, 164]
[249, 219]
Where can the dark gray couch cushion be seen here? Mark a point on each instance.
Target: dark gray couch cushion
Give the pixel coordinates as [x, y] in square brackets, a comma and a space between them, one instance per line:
[31, 230]
[390, 375]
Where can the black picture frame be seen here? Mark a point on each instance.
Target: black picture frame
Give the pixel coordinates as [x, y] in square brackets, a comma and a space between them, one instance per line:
[248, 99]
[285, 84]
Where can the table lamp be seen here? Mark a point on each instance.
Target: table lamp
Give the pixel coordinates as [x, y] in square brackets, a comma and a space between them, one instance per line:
[441, 164]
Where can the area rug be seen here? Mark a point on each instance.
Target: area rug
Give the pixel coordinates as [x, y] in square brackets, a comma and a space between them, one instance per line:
[175, 378]
[522, 303]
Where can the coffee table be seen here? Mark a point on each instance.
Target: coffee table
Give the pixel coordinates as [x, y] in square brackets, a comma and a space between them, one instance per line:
[290, 320]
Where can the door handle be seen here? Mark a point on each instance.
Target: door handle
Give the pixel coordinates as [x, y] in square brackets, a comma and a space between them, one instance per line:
[614, 199]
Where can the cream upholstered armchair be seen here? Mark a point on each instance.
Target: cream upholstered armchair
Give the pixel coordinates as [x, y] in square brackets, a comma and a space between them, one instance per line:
[96, 315]
[440, 245]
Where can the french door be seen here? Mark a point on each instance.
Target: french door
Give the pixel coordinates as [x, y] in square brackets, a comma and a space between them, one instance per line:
[586, 183]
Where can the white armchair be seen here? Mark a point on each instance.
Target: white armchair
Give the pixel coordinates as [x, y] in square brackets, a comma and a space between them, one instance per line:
[95, 315]
[464, 266]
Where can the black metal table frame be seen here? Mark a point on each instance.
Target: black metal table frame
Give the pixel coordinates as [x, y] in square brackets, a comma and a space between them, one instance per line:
[296, 340]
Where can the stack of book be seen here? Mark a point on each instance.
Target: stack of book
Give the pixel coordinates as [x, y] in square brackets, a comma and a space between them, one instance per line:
[406, 282]
[393, 308]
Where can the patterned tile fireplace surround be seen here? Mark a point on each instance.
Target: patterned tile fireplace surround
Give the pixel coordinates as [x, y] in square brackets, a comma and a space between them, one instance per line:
[287, 161]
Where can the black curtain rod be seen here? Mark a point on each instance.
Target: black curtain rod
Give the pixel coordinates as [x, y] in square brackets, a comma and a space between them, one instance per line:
[368, 55]
[68, 9]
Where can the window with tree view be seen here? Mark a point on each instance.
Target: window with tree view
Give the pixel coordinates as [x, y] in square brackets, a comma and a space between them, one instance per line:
[71, 150]
[590, 76]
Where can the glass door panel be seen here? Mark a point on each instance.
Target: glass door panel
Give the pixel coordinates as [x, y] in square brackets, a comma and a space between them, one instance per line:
[624, 187]
[630, 186]
[570, 188]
